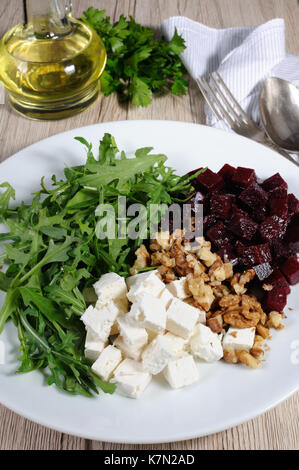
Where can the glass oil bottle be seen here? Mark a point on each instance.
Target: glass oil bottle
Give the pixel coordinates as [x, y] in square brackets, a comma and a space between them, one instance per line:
[50, 65]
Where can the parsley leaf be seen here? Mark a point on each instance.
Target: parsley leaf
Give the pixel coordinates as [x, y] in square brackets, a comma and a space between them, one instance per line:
[138, 65]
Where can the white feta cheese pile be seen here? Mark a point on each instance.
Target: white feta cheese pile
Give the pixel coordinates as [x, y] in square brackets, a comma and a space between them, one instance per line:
[140, 328]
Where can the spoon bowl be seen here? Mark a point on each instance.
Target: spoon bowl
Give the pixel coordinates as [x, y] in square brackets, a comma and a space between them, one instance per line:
[279, 107]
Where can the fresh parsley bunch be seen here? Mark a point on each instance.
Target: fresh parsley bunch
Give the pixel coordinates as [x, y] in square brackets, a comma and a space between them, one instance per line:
[52, 255]
[138, 64]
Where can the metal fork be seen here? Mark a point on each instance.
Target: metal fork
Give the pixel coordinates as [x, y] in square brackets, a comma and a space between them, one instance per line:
[225, 107]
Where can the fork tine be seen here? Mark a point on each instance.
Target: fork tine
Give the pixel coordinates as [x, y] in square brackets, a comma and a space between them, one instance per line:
[225, 114]
[227, 90]
[225, 100]
[207, 98]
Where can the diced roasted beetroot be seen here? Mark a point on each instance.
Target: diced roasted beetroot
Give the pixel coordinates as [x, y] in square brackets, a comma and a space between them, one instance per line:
[280, 250]
[291, 270]
[259, 215]
[263, 271]
[273, 227]
[242, 225]
[274, 182]
[227, 172]
[208, 222]
[208, 181]
[243, 177]
[254, 255]
[278, 202]
[254, 197]
[277, 279]
[228, 254]
[276, 300]
[221, 205]
[292, 238]
[219, 235]
[293, 206]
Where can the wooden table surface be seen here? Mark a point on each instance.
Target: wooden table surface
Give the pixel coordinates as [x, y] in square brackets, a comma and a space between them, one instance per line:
[277, 429]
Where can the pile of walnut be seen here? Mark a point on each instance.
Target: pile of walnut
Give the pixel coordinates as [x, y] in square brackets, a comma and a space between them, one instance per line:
[213, 287]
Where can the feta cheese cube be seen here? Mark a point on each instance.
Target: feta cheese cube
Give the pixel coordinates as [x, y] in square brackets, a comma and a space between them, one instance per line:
[147, 282]
[121, 304]
[108, 360]
[100, 321]
[166, 297]
[181, 372]
[128, 350]
[110, 286]
[239, 339]
[148, 312]
[128, 367]
[132, 386]
[133, 336]
[181, 318]
[176, 344]
[137, 278]
[157, 355]
[179, 288]
[93, 346]
[206, 345]
[131, 379]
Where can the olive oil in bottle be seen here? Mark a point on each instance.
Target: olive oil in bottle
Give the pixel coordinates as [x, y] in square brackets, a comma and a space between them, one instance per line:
[51, 64]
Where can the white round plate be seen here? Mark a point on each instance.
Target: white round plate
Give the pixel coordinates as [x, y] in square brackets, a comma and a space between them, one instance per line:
[225, 395]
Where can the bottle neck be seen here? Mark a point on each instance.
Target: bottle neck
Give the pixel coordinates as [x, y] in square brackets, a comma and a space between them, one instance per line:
[47, 18]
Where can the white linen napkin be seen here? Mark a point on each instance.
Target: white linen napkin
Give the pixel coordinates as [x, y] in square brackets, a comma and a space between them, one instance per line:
[244, 57]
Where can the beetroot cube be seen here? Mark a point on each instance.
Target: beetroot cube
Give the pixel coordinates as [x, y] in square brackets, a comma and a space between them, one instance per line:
[221, 205]
[254, 255]
[263, 271]
[243, 177]
[208, 181]
[273, 227]
[279, 202]
[219, 235]
[242, 225]
[277, 279]
[227, 172]
[280, 250]
[254, 197]
[259, 215]
[293, 206]
[273, 182]
[291, 270]
[292, 238]
[208, 222]
[276, 300]
[228, 255]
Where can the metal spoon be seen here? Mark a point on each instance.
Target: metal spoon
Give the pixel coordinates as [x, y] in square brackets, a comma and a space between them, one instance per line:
[279, 107]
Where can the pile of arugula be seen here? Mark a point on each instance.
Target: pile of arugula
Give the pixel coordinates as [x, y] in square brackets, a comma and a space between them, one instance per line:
[138, 64]
[52, 254]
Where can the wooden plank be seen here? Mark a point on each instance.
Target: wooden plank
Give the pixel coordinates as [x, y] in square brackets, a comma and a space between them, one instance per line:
[277, 429]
